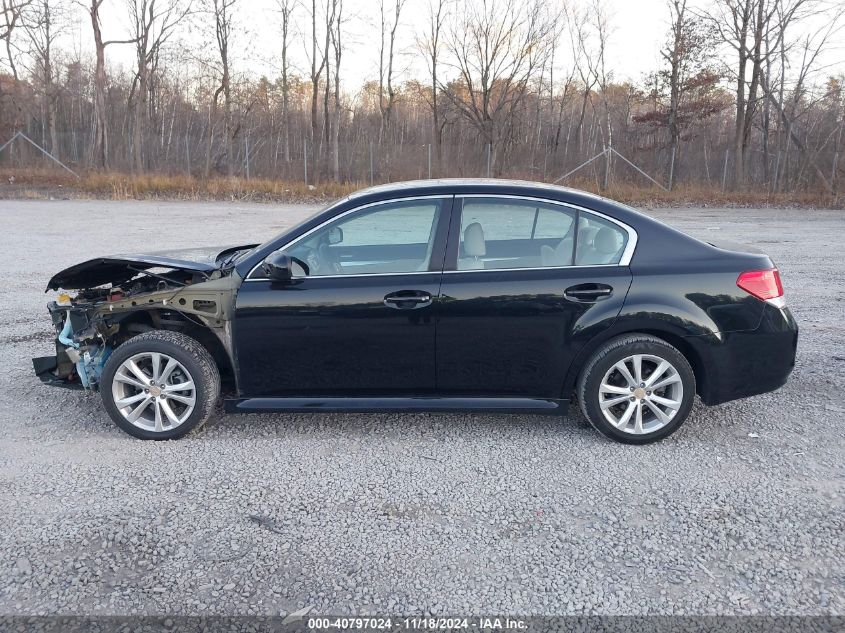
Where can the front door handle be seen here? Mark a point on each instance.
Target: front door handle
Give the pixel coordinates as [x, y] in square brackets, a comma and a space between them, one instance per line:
[407, 299]
[588, 293]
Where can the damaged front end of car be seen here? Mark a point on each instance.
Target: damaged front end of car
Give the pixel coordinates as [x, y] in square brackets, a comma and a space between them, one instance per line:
[81, 352]
[118, 298]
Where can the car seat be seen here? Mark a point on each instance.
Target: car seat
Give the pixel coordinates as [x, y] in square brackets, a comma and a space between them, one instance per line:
[475, 247]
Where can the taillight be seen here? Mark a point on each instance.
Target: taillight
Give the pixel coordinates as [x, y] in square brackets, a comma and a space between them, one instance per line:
[763, 284]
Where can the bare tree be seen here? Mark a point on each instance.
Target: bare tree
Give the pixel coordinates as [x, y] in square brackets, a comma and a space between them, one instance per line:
[42, 23]
[387, 49]
[331, 14]
[680, 48]
[686, 80]
[742, 24]
[430, 44]
[12, 12]
[316, 69]
[562, 102]
[153, 22]
[582, 53]
[337, 46]
[811, 47]
[286, 9]
[602, 27]
[834, 96]
[100, 146]
[223, 15]
[496, 47]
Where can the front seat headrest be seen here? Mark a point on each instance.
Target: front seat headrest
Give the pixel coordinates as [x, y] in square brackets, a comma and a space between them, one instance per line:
[606, 241]
[474, 244]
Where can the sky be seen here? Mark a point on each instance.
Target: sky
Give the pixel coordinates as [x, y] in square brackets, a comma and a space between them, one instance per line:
[638, 30]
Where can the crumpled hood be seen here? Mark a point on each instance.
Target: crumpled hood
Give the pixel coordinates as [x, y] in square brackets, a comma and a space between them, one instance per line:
[116, 269]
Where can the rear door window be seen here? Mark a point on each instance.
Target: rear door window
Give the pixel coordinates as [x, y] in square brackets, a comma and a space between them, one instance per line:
[600, 242]
[500, 233]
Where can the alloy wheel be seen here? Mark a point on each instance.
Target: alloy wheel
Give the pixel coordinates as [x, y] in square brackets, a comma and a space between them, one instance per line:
[154, 391]
[640, 394]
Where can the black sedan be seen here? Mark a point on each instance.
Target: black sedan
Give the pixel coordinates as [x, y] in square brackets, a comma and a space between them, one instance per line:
[435, 295]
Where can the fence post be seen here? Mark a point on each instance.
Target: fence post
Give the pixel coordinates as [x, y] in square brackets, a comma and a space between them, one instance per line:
[429, 161]
[305, 155]
[672, 169]
[489, 152]
[371, 162]
[606, 168]
[725, 170]
[246, 155]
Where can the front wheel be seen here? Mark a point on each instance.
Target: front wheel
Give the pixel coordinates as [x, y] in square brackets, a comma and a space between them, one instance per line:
[636, 389]
[160, 385]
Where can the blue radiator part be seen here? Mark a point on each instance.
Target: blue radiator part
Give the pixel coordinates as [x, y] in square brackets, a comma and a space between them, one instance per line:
[90, 366]
[91, 362]
[66, 335]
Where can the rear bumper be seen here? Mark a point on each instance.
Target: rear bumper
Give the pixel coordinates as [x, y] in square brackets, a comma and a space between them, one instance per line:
[740, 364]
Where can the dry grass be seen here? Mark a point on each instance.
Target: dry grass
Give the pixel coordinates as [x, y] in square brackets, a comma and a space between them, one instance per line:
[118, 186]
[48, 183]
[124, 187]
[684, 195]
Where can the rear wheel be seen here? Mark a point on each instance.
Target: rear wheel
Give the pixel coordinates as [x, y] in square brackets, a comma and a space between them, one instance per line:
[160, 385]
[636, 389]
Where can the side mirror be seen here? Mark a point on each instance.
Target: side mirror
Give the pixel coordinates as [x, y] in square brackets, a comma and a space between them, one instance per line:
[278, 267]
[335, 235]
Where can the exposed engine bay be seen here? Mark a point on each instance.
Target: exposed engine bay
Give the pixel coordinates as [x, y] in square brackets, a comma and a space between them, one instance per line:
[145, 293]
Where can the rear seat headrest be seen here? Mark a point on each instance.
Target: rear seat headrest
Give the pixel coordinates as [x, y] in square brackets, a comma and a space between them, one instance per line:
[606, 241]
[474, 244]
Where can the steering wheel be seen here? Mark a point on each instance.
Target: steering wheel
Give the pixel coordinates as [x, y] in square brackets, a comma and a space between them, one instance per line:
[328, 260]
[319, 261]
[305, 267]
[310, 260]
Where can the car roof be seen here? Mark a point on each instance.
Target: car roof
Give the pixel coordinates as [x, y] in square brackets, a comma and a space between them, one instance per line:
[493, 187]
[472, 185]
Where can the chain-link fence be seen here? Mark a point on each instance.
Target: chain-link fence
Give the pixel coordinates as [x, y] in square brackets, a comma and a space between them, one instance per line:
[368, 161]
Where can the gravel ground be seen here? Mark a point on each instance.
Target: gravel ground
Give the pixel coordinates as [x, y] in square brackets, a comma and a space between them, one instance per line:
[740, 512]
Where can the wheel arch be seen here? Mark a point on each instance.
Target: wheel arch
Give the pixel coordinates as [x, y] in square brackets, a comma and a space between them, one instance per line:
[679, 342]
[150, 319]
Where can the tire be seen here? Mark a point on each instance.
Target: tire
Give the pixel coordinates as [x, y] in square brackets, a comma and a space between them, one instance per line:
[181, 401]
[602, 380]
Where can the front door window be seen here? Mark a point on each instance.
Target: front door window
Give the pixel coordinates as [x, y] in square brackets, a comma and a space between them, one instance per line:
[390, 238]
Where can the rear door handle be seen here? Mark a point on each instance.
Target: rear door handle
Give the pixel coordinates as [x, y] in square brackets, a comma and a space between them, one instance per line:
[588, 293]
[407, 299]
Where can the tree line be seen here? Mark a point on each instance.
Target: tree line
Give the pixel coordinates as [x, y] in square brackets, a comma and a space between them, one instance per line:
[745, 96]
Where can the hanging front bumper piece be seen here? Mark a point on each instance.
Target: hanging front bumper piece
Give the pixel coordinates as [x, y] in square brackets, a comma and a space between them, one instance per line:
[76, 365]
